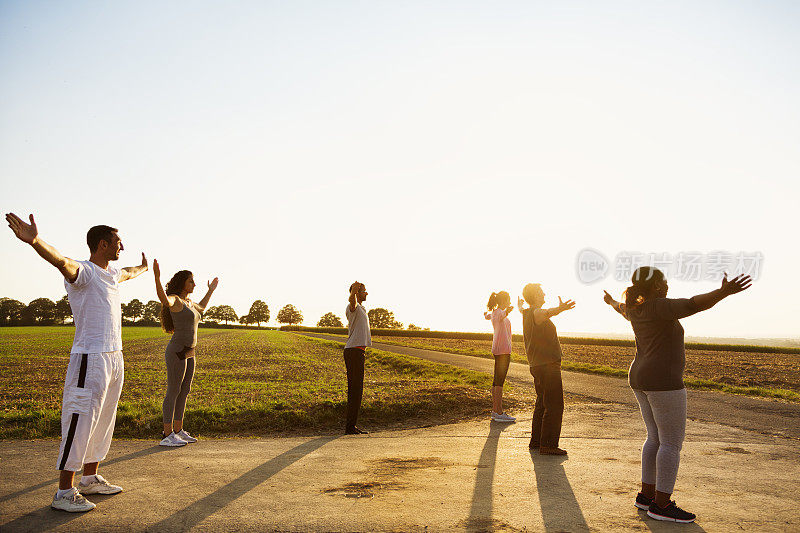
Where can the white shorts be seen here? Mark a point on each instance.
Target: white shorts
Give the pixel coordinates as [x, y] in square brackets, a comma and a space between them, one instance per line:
[89, 408]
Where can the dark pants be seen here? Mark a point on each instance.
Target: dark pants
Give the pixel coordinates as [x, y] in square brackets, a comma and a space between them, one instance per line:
[549, 408]
[354, 363]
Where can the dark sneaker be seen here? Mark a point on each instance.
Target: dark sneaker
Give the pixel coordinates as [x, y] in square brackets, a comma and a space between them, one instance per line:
[355, 431]
[533, 444]
[643, 502]
[670, 513]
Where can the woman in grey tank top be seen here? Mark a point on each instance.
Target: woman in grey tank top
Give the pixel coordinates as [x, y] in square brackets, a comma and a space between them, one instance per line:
[179, 316]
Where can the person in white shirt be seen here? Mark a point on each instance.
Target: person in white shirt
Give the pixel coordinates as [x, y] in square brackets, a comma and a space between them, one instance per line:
[355, 354]
[95, 371]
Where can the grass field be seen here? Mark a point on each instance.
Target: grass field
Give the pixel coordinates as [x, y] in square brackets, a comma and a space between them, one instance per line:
[247, 383]
[773, 375]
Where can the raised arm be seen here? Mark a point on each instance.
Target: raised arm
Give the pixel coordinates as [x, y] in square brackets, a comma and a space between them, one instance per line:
[352, 298]
[618, 307]
[166, 300]
[212, 286]
[710, 299]
[29, 233]
[131, 272]
[540, 315]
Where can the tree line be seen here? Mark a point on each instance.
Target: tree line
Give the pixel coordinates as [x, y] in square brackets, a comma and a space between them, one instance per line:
[43, 311]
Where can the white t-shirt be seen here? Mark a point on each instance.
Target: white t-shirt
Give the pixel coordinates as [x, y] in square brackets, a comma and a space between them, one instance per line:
[96, 309]
[358, 327]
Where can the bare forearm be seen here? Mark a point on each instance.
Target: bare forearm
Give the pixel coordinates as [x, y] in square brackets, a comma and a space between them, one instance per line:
[709, 299]
[162, 296]
[65, 265]
[204, 302]
[132, 272]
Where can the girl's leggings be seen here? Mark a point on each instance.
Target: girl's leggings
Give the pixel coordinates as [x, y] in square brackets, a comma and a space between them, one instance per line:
[179, 382]
[664, 415]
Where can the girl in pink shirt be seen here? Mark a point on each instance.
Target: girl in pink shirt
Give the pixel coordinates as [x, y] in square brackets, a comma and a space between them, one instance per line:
[499, 308]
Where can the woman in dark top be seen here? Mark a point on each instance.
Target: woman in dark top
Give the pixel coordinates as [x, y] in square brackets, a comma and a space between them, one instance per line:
[656, 377]
[544, 357]
[179, 316]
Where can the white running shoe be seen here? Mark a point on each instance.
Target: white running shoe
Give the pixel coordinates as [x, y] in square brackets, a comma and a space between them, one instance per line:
[185, 436]
[172, 440]
[99, 486]
[502, 417]
[72, 502]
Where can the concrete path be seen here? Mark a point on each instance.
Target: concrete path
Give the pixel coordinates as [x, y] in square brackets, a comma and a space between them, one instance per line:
[475, 476]
[769, 417]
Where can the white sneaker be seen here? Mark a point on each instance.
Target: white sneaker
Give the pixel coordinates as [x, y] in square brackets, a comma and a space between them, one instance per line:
[185, 436]
[99, 486]
[502, 417]
[172, 440]
[72, 502]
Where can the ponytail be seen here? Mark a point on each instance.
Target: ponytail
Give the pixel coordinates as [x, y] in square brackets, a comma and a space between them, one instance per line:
[497, 299]
[643, 285]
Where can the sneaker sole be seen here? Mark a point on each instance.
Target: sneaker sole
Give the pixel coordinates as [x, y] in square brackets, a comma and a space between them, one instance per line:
[98, 491]
[172, 445]
[72, 510]
[502, 420]
[668, 518]
[642, 506]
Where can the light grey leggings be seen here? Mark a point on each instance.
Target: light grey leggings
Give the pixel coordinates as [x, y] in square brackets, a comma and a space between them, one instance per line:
[179, 382]
[664, 414]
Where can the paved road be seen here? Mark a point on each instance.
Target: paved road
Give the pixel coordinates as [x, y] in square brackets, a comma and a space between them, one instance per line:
[767, 417]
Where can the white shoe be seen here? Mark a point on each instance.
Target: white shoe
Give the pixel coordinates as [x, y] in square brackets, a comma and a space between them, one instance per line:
[99, 486]
[172, 440]
[185, 436]
[72, 502]
[502, 417]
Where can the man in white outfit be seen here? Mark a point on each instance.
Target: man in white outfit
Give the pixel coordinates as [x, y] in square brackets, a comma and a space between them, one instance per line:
[95, 371]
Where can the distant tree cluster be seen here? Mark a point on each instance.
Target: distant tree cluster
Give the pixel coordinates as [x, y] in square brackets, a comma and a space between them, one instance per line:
[329, 320]
[40, 312]
[383, 318]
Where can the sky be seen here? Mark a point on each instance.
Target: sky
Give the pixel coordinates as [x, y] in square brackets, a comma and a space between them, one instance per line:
[436, 151]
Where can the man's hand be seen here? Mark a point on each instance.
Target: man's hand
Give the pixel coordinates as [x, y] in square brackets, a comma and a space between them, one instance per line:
[212, 285]
[24, 232]
[520, 303]
[737, 284]
[144, 261]
[608, 298]
[564, 306]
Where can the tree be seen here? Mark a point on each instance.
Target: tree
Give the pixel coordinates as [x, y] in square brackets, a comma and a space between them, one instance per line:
[246, 320]
[329, 320]
[11, 311]
[40, 311]
[133, 309]
[226, 313]
[152, 311]
[259, 312]
[383, 318]
[63, 310]
[289, 314]
[412, 327]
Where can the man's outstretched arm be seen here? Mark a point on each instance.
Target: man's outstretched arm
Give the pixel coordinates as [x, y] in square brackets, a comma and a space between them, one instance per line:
[132, 272]
[29, 233]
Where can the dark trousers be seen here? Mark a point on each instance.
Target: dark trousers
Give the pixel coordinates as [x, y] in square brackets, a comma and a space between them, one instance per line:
[549, 408]
[354, 363]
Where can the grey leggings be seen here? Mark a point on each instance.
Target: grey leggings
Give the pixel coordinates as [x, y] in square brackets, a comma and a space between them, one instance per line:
[179, 382]
[664, 414]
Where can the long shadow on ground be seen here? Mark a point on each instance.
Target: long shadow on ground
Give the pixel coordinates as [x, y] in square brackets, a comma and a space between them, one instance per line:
[190, 516]
[480, 512]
